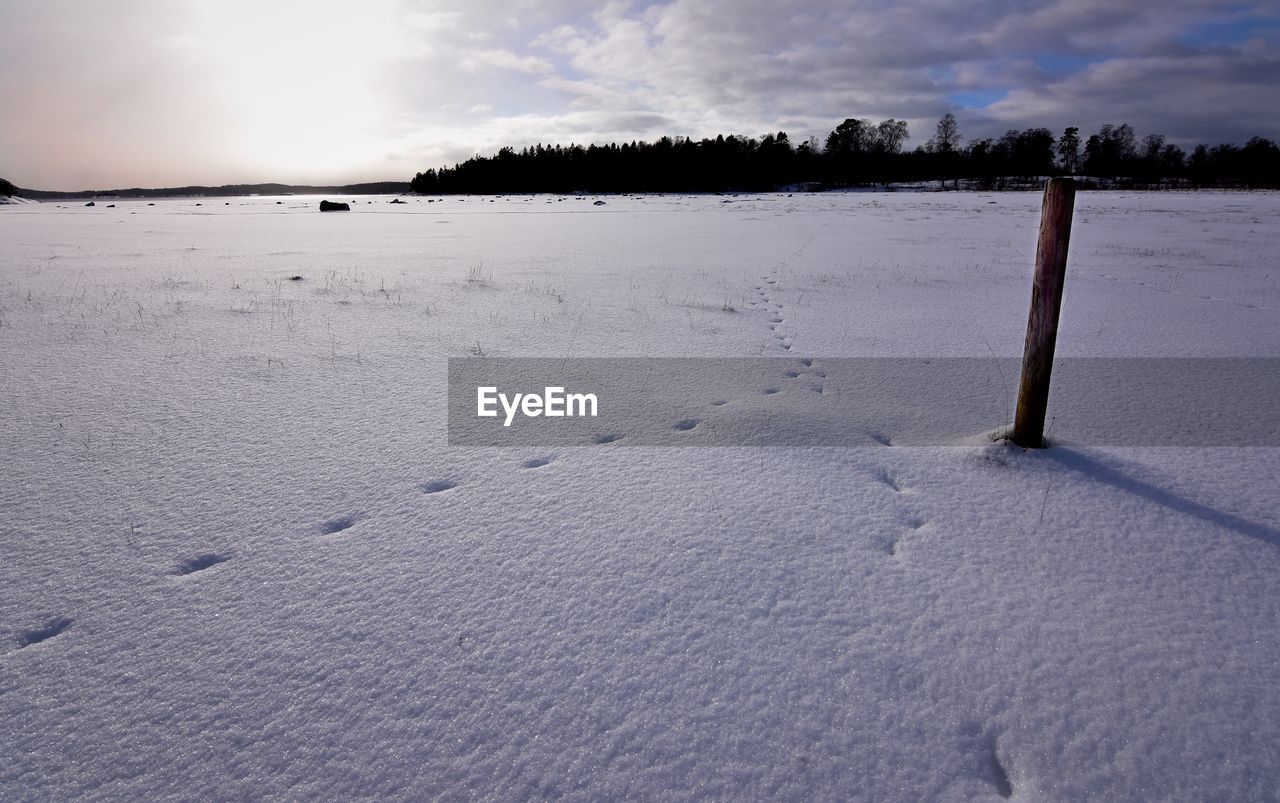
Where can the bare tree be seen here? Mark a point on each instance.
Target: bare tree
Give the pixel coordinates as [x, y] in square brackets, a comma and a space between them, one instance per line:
[1152, 147]
[947, 137]
[890, 135]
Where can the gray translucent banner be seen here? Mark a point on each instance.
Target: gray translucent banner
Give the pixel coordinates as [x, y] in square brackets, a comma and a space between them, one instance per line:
[855, 401]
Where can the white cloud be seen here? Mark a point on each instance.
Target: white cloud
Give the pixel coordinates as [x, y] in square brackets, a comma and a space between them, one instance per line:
[505, 60]
[432, 21]
[182, 42]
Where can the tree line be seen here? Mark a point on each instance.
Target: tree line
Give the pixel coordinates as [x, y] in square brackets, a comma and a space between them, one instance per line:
[859, 152]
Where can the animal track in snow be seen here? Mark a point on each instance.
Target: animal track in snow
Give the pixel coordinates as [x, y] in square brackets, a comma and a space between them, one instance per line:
[686, 425]
[890, 479]
[911, 523]
[437, 486]
[603, 439]
[337, 525]
[537, 462]
[792, 374]
[769, 391]
[984, 745]
[199, 563]
[38, 634]
[719, 402]
[1000, 776]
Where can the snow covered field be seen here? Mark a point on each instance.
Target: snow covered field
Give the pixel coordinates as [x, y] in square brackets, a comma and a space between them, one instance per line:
[239, 559]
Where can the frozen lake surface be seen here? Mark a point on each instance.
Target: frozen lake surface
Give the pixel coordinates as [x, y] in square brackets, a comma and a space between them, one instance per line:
[240, 558]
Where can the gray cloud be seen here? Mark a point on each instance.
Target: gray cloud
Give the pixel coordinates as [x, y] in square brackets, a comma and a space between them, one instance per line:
[1210, 97]
[141, 91]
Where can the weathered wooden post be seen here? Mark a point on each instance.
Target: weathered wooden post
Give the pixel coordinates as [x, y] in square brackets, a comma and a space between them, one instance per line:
[1046, 302]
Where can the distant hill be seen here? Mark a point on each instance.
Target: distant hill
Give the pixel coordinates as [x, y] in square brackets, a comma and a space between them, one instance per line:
[373, 188]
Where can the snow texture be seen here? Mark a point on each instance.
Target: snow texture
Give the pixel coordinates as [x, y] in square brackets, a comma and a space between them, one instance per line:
[239, 559]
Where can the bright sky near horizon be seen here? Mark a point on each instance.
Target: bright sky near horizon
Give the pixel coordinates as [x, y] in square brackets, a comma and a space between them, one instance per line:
[173, 92]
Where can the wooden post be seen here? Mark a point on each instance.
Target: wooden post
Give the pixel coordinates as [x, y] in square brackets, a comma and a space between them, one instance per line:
[1046, 303]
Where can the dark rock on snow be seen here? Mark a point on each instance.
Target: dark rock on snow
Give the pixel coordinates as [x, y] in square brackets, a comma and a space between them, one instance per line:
[331, 206]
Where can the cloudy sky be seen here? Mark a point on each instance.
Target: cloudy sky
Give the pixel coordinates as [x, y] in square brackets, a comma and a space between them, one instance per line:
[168, 92]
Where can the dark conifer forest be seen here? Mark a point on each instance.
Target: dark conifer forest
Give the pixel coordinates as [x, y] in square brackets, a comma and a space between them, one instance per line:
[860, 153]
